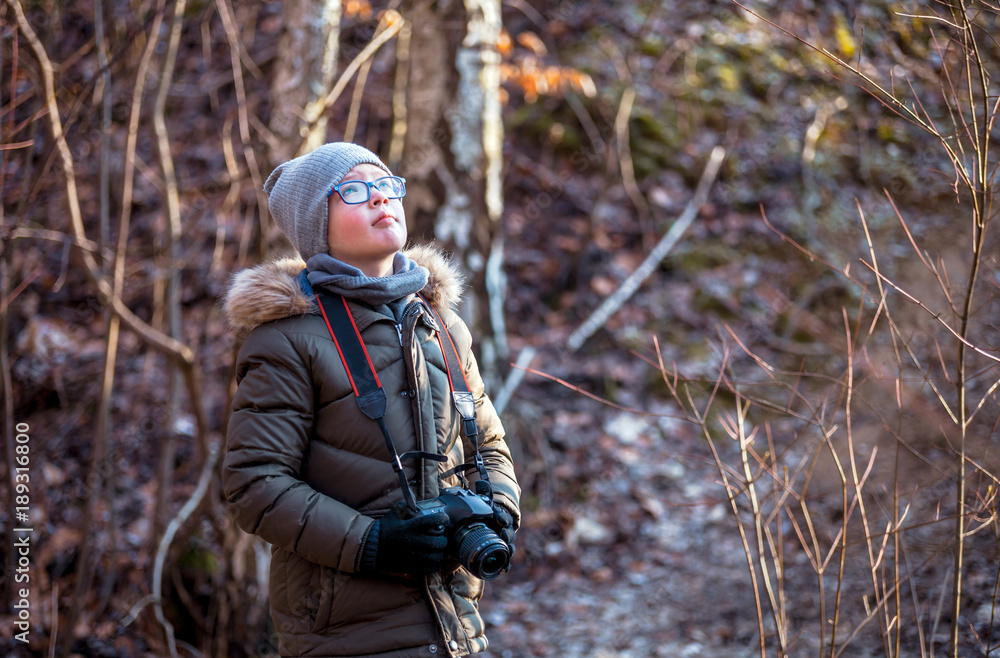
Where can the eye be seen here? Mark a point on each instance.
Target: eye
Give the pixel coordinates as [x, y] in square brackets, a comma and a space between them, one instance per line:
[352, 190]
[392, 187]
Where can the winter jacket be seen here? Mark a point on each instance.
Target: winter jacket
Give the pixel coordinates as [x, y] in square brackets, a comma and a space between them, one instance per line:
[309, 473]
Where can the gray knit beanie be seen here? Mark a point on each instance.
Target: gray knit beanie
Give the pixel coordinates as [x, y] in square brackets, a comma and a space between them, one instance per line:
[297, 192]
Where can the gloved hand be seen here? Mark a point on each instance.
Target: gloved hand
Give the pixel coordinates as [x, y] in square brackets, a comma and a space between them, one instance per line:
[503, 524]
[399, 545]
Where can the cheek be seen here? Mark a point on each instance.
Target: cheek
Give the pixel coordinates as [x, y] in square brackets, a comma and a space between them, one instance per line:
[340, 220]
[331, 219]
[335, 229]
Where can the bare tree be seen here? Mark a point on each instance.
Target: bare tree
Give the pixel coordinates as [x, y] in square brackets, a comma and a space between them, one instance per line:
[452, 156]
[302, 73]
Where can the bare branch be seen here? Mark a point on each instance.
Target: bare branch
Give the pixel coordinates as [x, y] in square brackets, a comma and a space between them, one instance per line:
[930, 17]
[659, 252]
[166, 344]
[391, 24]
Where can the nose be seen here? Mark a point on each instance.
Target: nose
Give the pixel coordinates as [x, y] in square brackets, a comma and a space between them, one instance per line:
[376, 196]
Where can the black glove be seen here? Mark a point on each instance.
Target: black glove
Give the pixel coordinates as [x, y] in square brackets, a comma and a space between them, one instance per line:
[398, 545]
[503, 524]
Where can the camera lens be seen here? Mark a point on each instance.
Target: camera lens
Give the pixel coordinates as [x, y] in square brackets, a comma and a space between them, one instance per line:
[481, 551]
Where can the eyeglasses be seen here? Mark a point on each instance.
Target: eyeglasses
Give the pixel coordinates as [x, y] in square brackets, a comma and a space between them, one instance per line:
[359, 191]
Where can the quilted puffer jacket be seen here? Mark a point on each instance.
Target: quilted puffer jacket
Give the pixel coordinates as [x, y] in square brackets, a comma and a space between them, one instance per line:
[309, 473]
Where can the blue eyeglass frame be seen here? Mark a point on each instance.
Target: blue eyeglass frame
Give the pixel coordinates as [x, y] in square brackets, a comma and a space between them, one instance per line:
[336, 188]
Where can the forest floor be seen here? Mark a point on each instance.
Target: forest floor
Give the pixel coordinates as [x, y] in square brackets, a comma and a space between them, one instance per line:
[629, 545]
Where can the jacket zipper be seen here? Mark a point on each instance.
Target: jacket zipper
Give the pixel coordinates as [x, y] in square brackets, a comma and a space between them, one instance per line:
[413, 306]
[408, 345]
[399, 325]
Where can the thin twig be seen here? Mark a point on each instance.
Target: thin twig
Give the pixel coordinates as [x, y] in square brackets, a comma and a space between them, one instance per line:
[166, 344]
[749, 482]
[936, 316]
[169, 280]
[113, 323]
[886, 96]
[514, 378]
[391, 24]
[622, 136]
[628, 287]
[359, 91]
[232, 34]
[590, 395]
[207, 473]
[732, 491]
[400, 116]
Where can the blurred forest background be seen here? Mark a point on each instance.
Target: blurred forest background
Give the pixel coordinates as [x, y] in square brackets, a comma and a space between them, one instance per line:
[783, 442]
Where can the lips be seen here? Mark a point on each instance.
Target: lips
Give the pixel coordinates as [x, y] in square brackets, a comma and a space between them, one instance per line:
[383, 216]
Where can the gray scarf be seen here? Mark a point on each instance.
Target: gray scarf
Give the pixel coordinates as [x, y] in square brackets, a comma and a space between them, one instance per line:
[394, 291]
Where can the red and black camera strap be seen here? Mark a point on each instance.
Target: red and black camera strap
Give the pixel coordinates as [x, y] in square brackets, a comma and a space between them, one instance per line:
[371, 396]
[465, 401]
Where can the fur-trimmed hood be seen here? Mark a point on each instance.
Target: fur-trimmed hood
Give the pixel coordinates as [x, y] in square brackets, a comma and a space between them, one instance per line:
[270, 291]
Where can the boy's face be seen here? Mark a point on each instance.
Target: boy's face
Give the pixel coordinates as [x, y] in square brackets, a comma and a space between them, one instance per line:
[366, 235]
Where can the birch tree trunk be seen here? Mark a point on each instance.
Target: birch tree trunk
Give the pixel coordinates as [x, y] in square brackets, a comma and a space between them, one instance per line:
[305, 68]
[453, 155]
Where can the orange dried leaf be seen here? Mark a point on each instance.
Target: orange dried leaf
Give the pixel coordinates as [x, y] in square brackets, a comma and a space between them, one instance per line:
[583, 83]
[508, 72]
[531, 41]
[553, 77]
[359, 8]
[529, 82]
[505, 45]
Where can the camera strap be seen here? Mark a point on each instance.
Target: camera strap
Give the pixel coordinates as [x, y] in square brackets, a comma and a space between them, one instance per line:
[364, 380]
[371, 396]
[465, 401]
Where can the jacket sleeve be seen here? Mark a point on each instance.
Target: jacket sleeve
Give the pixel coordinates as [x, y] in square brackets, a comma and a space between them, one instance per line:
[492, 443]
[266, 442]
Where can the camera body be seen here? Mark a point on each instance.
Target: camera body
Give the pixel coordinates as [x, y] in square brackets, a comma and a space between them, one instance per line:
[470, 539]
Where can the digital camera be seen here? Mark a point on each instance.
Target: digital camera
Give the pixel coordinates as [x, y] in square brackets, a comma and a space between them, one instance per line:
[470, 540]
